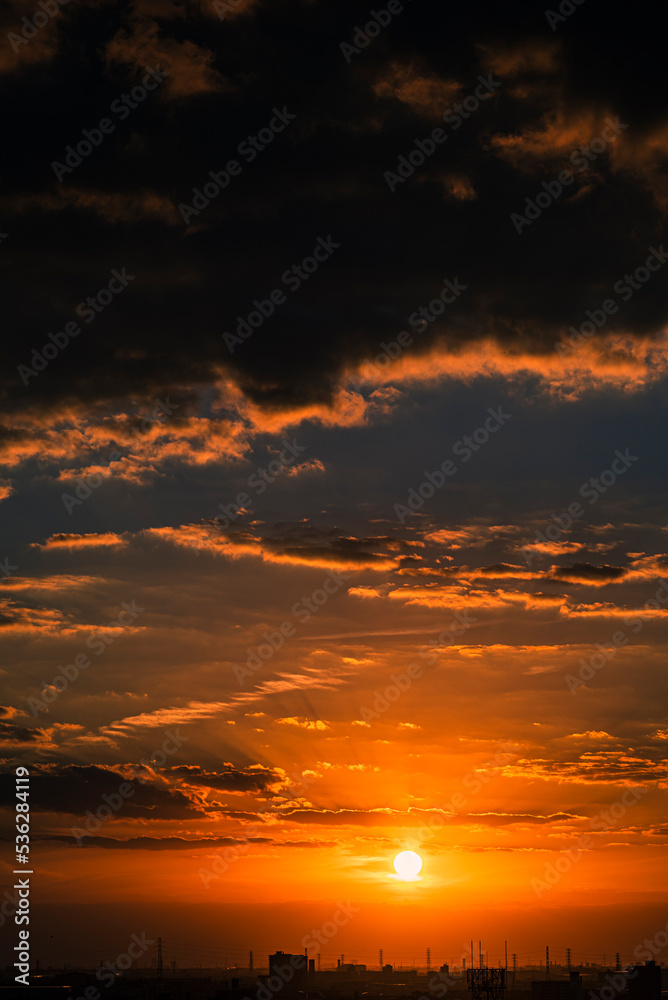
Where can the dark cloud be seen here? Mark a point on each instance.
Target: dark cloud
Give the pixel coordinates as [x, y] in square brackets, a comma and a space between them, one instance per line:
[503, 569]
[416, 817]
[230, 779]
[305, 543]
[159, 843]
[322, 175]
[599, 767]
[180, 843]
[586, 573]
[75, 789]
[10, 733]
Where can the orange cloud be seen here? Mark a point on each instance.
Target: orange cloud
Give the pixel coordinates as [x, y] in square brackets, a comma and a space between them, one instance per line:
[313, 465]
[457, 597]
[79, 435]
[364, 592]
[81, 541]
[425, 93]
[347, 409]
[341, 554]
[472, 535]
[190, 67]
[39, 49]
[57, 582]
[113, 206]
[458, 186]
[603, 767]
[14, 618]
[553, 548]
[558, 135]
[624, 363]
[591, 734]
[646, 157]
[537, 56]
[311, 678]
[316, 724]
[607, 610]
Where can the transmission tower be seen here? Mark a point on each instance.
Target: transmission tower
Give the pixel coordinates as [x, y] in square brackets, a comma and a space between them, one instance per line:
[486, 983]
[159, 958]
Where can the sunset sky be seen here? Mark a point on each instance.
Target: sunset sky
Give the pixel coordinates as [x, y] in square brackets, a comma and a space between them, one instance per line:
[257, 482]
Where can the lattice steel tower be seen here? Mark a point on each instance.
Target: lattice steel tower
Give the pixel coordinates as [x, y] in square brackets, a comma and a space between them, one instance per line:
[486, 983]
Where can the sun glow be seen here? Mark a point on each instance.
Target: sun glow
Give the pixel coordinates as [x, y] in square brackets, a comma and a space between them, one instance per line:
[407, 865]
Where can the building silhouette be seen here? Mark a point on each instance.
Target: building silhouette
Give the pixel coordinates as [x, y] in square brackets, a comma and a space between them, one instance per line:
[644, 982]
[288, 969]
[555, 989]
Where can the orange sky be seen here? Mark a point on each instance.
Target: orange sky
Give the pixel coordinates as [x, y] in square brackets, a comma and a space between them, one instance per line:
[385, 573]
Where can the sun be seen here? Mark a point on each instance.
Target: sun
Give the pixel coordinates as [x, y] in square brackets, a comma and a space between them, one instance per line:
[407, 865]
